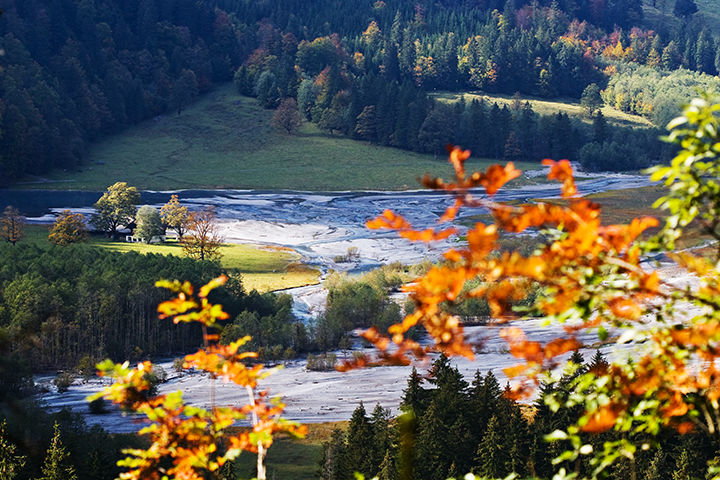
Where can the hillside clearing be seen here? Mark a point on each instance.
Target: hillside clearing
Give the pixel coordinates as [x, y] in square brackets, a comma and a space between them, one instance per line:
[550, 107]
[661, 11]
[224, 140]
[297, 459]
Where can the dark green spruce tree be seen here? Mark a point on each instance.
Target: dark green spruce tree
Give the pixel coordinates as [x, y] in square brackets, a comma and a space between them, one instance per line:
[334, 463]
[360, 443]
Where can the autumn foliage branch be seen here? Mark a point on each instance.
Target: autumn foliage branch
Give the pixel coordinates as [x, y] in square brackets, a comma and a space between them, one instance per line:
[593, 279]
[191, 443]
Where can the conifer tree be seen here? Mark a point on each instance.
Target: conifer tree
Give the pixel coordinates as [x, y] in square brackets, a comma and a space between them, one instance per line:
[512, 150]
[10, 462]
[599, 128]
[388, 469]
[431, 453]
[334, 462]
[228, 471]
[598, 364]
[484, 396]
[381, 439]
[359, 442]
[682, 467]
[414, 397]
[491, 457]
[56, 465]
[655, 470]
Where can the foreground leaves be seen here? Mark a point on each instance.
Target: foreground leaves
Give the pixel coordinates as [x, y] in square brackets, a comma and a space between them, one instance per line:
[588, 277]
[187, 442]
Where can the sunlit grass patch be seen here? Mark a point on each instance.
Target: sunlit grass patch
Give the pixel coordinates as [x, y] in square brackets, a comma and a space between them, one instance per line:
[262, 268]
[543, 106]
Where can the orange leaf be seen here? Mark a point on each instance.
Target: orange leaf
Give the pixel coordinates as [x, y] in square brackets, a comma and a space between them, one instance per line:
[625, 308]
[601, 420]
[457, 159]
[562, 171]
[496, 176]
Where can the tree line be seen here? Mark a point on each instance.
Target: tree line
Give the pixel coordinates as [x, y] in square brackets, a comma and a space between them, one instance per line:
[60, 304]
[449, 426]
[74, 72]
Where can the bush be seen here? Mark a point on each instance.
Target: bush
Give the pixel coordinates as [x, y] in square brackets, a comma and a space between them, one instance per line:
[178, 365]
[98, 406]
[63, 381]
[157, 376]
[321, 363]
[86, 368]
[352, 255]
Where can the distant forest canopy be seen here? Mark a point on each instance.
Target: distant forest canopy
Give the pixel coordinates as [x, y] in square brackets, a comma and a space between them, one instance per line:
[74, 71]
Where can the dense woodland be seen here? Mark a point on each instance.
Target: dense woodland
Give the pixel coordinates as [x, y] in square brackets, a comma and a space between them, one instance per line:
[449, 426]
[60, 304]
[76, 71]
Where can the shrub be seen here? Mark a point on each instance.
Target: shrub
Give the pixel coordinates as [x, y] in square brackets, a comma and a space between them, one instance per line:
[178, 365]
[63, 381]
[321, 363]
[98, 406]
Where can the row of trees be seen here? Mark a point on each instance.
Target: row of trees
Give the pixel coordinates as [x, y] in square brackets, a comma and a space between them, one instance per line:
[56, 465]
[353, 96]
[653, 93]
[117, 207]
[36, 445]
[449, 427]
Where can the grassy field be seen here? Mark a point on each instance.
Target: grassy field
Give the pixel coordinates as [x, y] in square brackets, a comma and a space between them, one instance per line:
[550, 107]
[296, 459]
[262, 268]
[662, 12]
[225, 140]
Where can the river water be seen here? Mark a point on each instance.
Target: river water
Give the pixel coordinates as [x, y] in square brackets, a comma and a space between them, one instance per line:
[320, 226]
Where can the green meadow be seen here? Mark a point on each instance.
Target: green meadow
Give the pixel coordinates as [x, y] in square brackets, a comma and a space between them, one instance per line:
[225, 140]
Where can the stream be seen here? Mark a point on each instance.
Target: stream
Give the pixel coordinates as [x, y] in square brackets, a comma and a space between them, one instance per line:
[319, 226]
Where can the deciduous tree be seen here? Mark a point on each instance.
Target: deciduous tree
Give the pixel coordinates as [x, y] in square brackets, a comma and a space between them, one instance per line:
[12, 225]
[116, 207]
[68, 228]
[591, 100]
[175, 215]
[189, 442]
[184, 90]
[287, 117]
[203, 240]
[148, 223]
